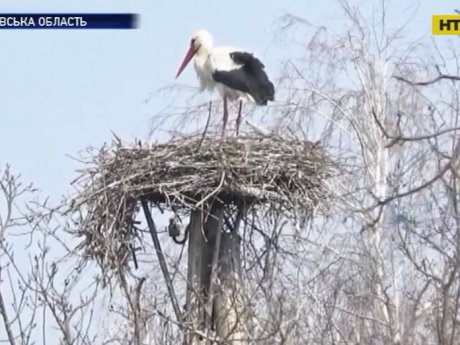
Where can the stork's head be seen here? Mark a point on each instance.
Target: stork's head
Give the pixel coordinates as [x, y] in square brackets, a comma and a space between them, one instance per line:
[200, 43]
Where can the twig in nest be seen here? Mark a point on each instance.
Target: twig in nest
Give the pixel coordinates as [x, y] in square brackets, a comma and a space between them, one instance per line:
[213, 192]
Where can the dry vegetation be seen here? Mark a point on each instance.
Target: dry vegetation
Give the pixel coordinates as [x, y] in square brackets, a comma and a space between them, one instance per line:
[185, 174]
[381, 267]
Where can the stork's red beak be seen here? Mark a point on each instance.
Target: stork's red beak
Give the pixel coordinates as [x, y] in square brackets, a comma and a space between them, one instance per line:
[191, 52]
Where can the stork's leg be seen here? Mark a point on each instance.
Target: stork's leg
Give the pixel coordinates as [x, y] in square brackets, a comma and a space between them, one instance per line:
[225, 116]
[238, 119]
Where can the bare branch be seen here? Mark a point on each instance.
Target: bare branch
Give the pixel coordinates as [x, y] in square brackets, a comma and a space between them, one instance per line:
[429, 82]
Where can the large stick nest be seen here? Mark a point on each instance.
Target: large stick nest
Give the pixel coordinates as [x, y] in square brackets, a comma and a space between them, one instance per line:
[188, 173]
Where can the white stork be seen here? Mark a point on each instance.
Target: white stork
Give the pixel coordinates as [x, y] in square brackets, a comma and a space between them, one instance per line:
[237, 75]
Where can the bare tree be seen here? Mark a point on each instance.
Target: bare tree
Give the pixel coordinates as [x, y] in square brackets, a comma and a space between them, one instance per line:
[360, 89]
[381, 267]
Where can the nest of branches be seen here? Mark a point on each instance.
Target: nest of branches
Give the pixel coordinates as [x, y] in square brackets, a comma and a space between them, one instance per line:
[188, 173]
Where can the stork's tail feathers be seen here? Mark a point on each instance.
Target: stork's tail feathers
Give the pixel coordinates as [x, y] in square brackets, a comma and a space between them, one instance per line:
[267, 94]
[263, 92]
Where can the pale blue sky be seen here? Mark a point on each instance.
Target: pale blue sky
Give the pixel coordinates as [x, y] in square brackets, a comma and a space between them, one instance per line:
[61, 91]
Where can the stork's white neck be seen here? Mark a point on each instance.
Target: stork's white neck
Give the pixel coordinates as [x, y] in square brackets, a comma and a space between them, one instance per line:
[202, 55]
[200, 58]
[203, 42]
[204, 49]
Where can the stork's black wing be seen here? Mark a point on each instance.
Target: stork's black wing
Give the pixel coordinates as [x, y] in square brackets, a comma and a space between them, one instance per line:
[250, 77]
[234, 79]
